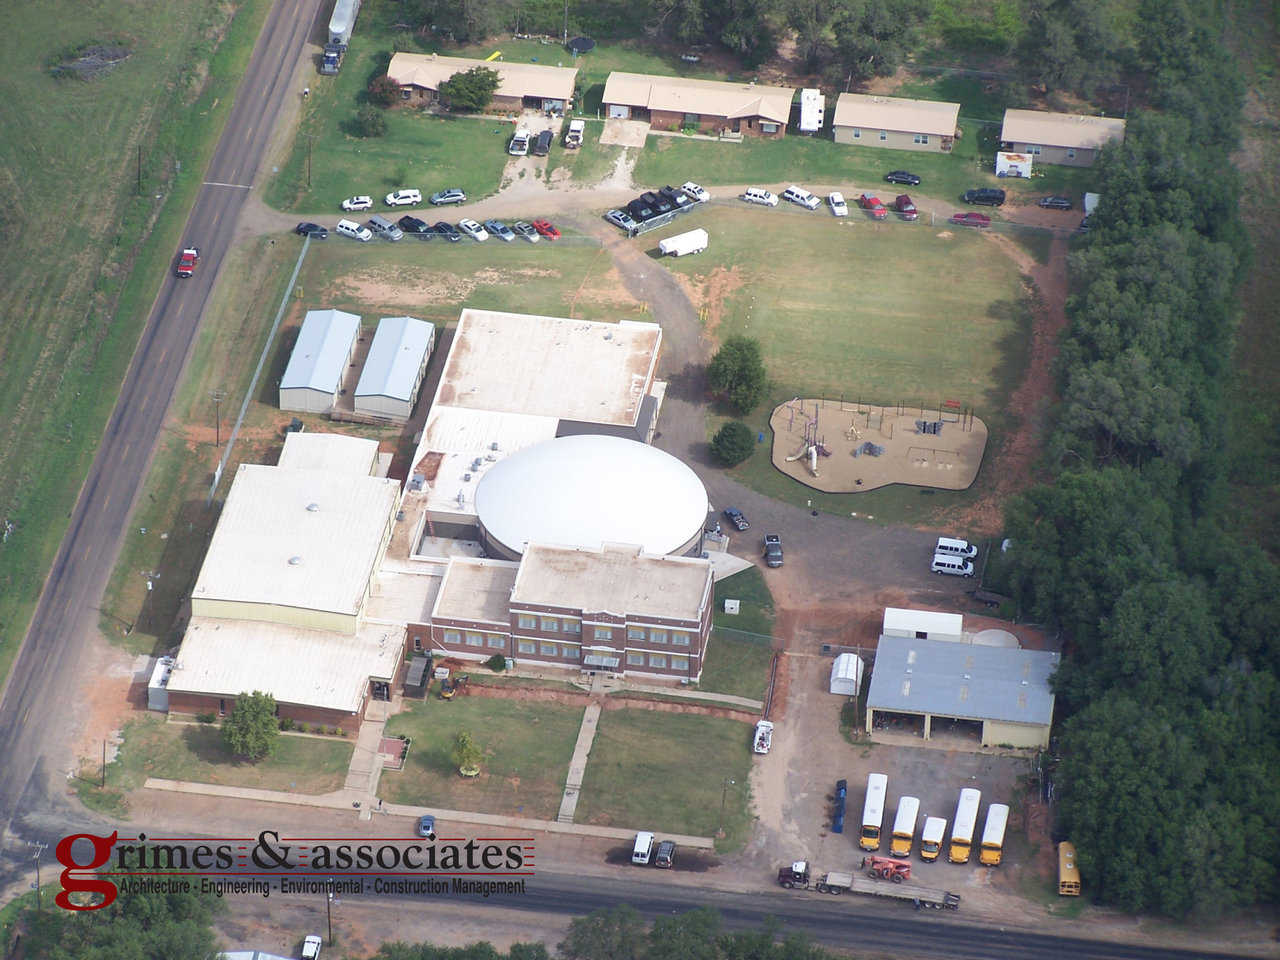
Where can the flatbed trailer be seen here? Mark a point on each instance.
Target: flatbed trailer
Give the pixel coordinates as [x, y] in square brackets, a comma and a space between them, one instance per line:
[797, 877]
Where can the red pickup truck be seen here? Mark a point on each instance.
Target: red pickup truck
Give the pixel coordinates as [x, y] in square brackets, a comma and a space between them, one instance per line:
[873, 206]
[187, 261]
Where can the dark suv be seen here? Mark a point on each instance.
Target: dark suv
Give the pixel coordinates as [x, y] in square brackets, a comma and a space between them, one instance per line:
[640, 210]
[987, 196]
[659, 203]
[542, 146]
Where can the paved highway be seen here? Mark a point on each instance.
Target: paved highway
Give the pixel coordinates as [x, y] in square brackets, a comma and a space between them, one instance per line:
[45, 675]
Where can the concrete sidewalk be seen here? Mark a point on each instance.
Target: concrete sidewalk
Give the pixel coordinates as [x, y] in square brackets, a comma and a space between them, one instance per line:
[578, 763]
[345, 800]
[727, 699]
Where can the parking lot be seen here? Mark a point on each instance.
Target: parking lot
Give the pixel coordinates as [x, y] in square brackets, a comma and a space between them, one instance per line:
[793, 782]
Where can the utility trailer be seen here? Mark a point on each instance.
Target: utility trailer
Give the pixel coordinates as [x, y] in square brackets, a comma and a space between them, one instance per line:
[798, 877]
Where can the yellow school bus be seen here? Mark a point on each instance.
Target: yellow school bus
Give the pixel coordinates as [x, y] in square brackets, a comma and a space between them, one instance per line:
[1068, 875]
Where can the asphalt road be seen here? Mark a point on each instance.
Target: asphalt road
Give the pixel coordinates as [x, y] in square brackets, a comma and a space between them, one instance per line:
[44, 676]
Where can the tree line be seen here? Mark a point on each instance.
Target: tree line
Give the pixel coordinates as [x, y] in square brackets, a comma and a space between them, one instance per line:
[1168, 701]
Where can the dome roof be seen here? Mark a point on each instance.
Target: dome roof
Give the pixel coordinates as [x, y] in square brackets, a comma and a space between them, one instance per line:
[585, 491]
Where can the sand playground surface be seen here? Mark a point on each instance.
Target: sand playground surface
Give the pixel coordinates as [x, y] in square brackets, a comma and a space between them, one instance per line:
[846, 447]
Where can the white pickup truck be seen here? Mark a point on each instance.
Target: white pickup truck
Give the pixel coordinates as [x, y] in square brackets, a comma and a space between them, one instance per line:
[573, 136]
[519, 143]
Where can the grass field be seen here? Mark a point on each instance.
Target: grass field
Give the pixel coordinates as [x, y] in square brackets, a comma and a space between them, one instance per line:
[891, 312]
[69, 331]
[591, 163]
[737, 665]
[755, 611]
[666, 771]
[195, 752]
[527, 748]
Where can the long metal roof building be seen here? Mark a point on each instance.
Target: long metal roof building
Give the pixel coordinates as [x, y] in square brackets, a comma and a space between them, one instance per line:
[394, 368]
[324, 346]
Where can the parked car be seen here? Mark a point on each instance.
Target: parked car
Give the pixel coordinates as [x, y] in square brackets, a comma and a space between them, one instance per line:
[902, 176]
[772, 550]
[384, 228]
[699, 194]
[447, 231]
[1055, 203]
[357, 203]
[971, 220]
[426, 826]
[500, 230]
[542, 146]
[800, 197]
[414, 227]
[349, 228]
[621, 219]
[523, 229]
[473, 230]
[404, 198]
[906, 209]
[737, 518]
[677, 196]
[838, 207]
[452, 195]
[666, 854]
[641, 211]
[519, 145]
[311, 947]
[187, 261]
[987, 196]
[545, 229]
[312, 230]
[873, 206]
[760, 195]
[659, 204]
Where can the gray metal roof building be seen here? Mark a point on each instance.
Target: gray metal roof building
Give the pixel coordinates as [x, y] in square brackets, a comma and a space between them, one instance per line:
[394, 368]
[1005, 689]
[320, 356]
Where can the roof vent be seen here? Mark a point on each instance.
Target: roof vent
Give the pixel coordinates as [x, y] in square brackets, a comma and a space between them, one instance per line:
[466, 478]
[313, 507]
[295, 561]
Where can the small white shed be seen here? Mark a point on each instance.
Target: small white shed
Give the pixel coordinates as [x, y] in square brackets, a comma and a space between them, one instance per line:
[922, 624]
[846, 675]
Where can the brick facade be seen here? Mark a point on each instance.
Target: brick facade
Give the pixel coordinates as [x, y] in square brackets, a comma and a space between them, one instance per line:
[197, 703]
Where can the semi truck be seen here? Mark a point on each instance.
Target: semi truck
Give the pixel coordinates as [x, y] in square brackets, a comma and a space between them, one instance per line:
[798, 876]
[341, 24]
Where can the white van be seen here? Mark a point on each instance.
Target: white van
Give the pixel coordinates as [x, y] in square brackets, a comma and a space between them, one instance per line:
[942, 563]
[760, 195]
[956, 548]
[801, 197]
[349, 228]
[643, 848]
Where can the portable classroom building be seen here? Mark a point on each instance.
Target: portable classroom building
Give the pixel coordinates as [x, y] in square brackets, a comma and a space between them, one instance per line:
[873, 811]
[846, 675]
[694, 241]
[904, 827]
[932, 837]
[812, 110]
[394, 368]
[324, 347]
[922, 624]
[993, 835]
[965, 823]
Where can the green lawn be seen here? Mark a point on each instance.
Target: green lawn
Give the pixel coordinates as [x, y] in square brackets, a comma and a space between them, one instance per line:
[665, 772]
[589, 164]
[899, 311]
[755, 609]
[69, 332]
[736, 664]
[195, 752]
[527, 750]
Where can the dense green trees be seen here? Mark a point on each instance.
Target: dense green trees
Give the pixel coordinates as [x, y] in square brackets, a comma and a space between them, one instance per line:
[1169, 705]
[737, 374]
[732, 443]
[252, 731]
[619, 934]
[470, 90]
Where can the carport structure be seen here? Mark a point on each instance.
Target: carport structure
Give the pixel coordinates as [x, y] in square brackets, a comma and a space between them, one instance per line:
[1005, 691]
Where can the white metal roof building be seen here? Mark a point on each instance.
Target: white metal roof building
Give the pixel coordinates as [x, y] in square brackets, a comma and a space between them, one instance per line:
[296, 546]
[394, 368]
[320, 669]
[587, 491]
[1004, 689]
[331, 452]
[923, 624]
[326, 342]
[1072, 139]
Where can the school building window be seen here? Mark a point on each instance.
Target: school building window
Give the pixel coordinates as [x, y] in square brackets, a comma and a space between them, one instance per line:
[679, 663]
[527, 646]
[527, 622]
[452, 636]
[658, 636]
[635, 633]
[549, 649]
[566, 650]
[679, 639]
[604, 634]
[474, 639]
[658, 660]
[550, 625]
[497, 642]
[635, 659]
[417, 643]
[570, 626]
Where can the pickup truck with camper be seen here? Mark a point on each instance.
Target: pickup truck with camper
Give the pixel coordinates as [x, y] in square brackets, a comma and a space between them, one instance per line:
[573, 136]
[772, 550]
[764, 737]
[519, 143]
[187, 261]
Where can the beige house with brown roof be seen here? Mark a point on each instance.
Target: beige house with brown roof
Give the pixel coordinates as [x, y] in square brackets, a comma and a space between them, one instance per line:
[711, 106]
[896, 122]
[520, 85]
[1065, 138]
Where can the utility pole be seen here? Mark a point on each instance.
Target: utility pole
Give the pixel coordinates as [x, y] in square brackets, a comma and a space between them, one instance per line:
[723, 792]
[328, 909]
[566, 22]
[311, 138]
[218, 396]
[39, 848]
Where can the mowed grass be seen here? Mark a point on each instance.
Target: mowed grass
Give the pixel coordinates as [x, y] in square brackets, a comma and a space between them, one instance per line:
[589, 164]
[651, 770]
[882, 313]
[87, 248]
[195, 752]
[736, 664]
[527, 747]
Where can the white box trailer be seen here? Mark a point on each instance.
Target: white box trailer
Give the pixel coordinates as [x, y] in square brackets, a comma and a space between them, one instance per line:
[812, 110]
[343, 21]
[695, 241]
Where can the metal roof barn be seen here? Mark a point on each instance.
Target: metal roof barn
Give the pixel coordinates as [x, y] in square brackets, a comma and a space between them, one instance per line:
[394, 368]
[320, 356]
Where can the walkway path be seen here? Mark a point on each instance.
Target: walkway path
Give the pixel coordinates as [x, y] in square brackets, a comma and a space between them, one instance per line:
[578, 763]
[366, 761]
[346, 799]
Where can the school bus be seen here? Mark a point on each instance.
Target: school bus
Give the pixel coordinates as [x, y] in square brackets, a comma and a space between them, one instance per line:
[873, 811]
[965, 823]
[1068, 874]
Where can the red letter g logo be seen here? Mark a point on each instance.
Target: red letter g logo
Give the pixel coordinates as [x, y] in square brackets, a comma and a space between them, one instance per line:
[82, 884]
